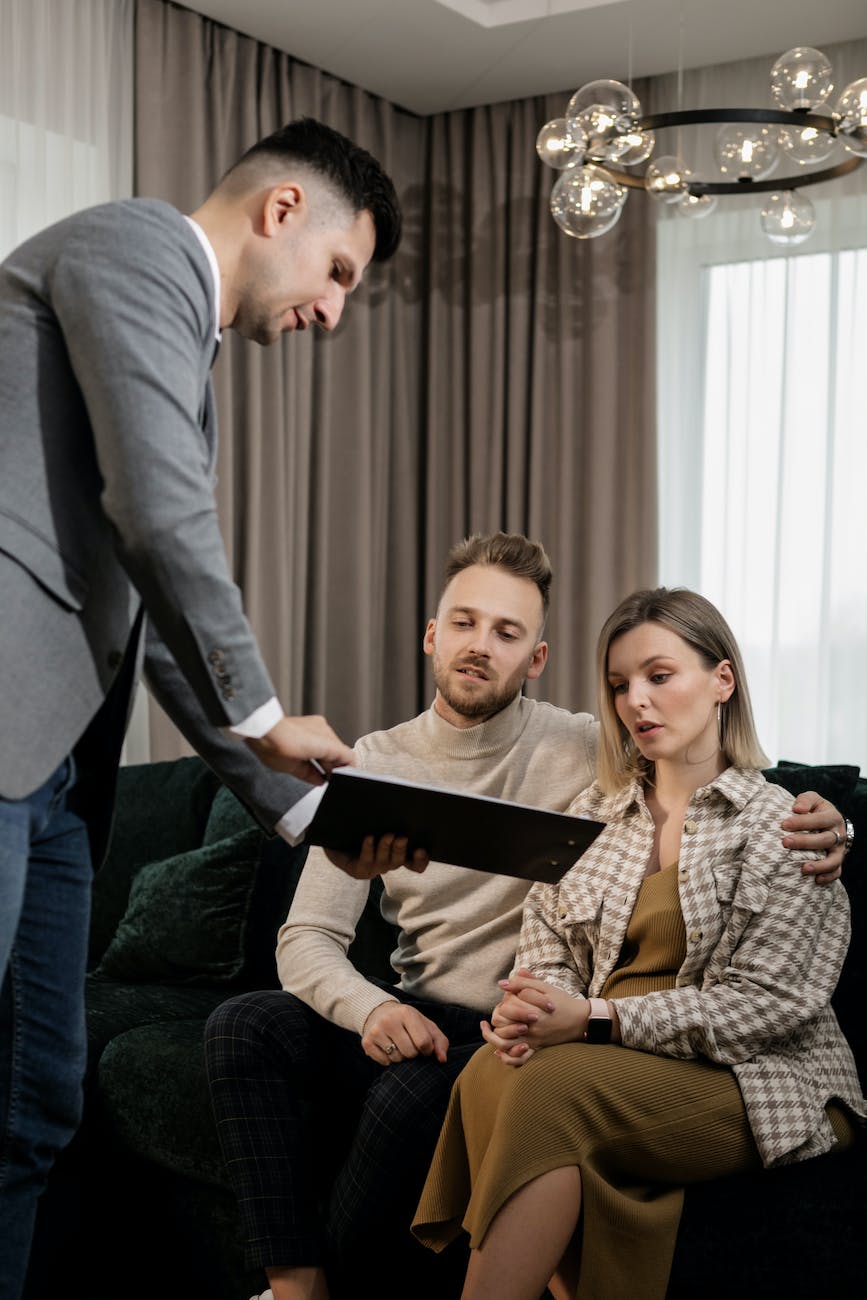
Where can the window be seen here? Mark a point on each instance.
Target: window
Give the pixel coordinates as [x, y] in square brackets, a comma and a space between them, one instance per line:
[763, 470]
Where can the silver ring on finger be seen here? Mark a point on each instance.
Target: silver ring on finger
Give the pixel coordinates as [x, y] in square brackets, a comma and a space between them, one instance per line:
[391, 1049]
[838, 839]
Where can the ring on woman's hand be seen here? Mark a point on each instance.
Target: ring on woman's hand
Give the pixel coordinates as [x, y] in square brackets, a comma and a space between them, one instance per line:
[838, 839]
[392, 1047]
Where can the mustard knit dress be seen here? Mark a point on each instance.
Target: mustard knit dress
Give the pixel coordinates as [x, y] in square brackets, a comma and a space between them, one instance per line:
[639, 1127]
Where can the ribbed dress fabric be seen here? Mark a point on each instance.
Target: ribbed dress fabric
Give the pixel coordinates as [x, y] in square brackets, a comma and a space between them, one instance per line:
[639, 1127]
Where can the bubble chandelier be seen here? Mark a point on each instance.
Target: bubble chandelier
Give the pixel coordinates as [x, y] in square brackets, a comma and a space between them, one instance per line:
[604, 131]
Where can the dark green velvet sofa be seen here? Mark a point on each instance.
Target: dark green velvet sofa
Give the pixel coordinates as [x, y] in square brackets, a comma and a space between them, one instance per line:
[186, 911]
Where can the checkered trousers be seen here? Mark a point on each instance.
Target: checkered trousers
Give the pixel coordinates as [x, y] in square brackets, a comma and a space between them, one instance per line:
[325, 1150]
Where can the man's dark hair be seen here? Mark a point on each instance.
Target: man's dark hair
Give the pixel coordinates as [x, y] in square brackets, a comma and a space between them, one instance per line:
[511, 551]
[354, 173]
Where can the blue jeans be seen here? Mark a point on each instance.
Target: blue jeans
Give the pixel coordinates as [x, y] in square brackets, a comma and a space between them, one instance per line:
[45, 881]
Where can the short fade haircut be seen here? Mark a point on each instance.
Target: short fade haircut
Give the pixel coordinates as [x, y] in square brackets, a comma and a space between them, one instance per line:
[354, 174]
[700, 625]
[513, 552]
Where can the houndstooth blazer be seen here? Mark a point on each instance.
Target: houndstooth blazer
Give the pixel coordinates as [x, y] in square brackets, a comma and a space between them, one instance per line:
[765, 946]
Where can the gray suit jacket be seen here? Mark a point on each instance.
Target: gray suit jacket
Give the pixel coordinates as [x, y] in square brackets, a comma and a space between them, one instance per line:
[107, 453]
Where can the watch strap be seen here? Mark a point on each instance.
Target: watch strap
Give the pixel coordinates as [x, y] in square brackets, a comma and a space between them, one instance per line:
[599, 1023]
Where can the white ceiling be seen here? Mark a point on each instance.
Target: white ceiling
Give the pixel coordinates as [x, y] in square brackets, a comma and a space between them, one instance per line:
[430, 56]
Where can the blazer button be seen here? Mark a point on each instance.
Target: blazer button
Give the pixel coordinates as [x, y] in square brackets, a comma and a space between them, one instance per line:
[216, 657]
[228, 693]
[690, 827]
[114, 658]
[695, 935]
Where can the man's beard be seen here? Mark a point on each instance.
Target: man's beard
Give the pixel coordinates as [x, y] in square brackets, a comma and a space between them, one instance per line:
[482, 703]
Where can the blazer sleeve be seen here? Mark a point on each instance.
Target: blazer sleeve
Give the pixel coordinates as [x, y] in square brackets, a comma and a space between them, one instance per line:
[132, 295]
[266, 793]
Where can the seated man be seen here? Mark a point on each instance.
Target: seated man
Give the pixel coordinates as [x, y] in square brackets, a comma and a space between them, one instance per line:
[329, 1095]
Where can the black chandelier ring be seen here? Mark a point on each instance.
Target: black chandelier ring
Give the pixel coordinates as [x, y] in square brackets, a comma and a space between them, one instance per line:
[746, 185]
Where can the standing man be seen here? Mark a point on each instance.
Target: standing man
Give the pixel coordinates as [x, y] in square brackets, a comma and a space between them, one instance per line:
[111, 560]
[329, 1095]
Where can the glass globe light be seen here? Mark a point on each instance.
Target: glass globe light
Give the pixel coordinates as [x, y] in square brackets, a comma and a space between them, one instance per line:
[631, 146]
[611, 94]
[788, 218]
[806, 144]
[746, 151]
[696, 205]
[557, 146]
[599, 126]
[585, 203]
[851, 110]
[666, 178]
[801, 78]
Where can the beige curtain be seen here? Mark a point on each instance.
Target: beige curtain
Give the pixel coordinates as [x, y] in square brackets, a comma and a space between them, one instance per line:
[538, 377]
[497, 374]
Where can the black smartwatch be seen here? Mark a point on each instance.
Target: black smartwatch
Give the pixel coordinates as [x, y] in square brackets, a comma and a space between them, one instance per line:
[599, 1024]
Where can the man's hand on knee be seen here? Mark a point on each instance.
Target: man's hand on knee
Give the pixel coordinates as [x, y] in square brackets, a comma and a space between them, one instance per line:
[395, 1032]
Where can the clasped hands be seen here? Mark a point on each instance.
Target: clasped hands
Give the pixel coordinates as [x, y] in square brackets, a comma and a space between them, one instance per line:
[533, 1014]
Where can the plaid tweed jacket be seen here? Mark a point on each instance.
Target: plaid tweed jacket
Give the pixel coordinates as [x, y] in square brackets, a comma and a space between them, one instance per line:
[765, 946]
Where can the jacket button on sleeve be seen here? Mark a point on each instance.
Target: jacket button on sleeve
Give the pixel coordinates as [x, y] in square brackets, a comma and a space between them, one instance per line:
[690, 826]
[695, 935]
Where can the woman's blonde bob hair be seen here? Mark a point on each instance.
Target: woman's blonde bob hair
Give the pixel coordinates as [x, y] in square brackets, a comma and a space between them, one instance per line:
[700, 624]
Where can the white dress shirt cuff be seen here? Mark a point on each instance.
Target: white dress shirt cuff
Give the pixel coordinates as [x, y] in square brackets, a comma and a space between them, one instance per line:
[294, 823]
[259, 722]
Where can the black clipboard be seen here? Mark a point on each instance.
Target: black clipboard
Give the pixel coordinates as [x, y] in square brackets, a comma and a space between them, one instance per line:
[466, 830]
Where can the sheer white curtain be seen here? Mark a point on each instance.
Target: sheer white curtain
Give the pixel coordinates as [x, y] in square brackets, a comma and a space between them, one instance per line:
[65, 109]
[65, 129]
[762, 449]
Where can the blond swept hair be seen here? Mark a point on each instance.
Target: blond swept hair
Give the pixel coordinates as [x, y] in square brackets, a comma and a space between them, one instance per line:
[514, 552]
[700, 624]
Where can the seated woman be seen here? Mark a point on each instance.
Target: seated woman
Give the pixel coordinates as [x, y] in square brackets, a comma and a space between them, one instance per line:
[669, 1011]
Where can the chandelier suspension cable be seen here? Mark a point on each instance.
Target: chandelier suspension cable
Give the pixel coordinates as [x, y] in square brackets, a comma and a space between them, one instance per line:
[678, 150]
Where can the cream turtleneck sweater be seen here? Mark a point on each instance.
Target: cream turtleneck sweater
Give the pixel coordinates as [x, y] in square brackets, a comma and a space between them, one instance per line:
[458, 928]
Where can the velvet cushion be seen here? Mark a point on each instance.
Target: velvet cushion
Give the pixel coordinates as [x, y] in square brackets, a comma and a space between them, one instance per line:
[226, 816]
[154, 1086]
[161, 809]
[833, 781]
[114, 1007]
[186, 921]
